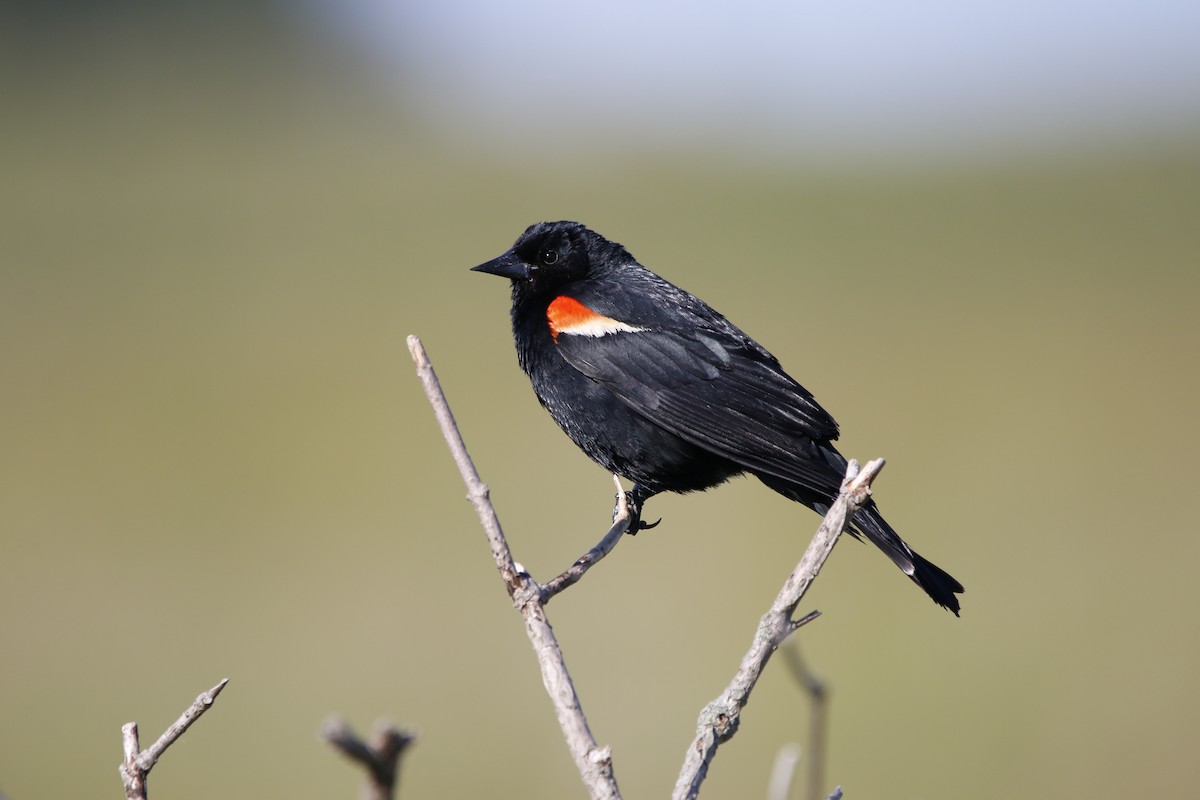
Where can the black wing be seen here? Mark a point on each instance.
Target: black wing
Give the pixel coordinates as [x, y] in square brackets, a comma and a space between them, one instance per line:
[717, 389]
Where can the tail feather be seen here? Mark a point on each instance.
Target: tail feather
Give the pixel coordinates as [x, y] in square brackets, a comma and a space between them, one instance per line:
[937, 583]
[868, 522]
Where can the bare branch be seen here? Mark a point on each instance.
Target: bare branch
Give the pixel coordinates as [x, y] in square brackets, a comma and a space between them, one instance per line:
[719, 720]
[477, 490]
[137, 766]
[380, 757]
[594, 763]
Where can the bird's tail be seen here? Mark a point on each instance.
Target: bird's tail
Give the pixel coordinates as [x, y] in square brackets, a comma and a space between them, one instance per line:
[868, 522]
[936, 582]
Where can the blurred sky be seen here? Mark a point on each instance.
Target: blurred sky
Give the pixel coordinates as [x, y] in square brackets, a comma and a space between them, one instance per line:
[846, 78]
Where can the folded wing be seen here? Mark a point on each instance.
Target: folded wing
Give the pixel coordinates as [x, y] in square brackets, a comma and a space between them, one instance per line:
[718, 392]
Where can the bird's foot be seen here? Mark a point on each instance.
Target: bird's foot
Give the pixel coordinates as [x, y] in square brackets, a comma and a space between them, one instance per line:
[633, 501]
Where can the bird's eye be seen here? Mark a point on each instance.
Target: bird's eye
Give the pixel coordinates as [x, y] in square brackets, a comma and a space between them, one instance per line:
[548, 257]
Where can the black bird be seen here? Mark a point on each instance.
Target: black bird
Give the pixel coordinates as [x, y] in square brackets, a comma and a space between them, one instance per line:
[656, 386]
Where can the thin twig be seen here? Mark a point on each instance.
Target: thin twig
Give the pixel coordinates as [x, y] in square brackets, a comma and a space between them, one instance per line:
[719, 720]
[594, 762]
[818, 695]
[380, 757]
[137, 765]
[621, 520]
[477, 490]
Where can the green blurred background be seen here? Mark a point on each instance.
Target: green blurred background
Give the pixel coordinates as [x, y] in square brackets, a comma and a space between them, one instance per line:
[217, 224]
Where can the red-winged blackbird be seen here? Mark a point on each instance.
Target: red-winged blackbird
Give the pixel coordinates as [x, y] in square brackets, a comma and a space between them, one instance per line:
[659, 388]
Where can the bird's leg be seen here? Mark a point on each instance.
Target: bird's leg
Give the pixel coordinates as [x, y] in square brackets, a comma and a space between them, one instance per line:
[634, 499]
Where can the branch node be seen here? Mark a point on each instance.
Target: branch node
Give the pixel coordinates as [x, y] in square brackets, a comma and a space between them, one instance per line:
[525, 591]
[796, 624]
[721, 716]
[601, 758]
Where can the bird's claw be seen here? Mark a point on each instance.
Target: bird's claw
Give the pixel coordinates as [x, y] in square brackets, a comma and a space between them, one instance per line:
[634, 498]
[645, 526]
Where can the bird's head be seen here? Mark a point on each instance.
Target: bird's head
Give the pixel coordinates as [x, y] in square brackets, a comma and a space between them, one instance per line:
[551, 254]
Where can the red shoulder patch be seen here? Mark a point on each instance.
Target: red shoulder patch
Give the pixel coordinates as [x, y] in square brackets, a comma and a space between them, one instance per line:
[568, 315]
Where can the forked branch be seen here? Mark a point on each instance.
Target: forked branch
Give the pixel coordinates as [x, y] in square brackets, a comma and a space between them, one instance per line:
[137, 765]
[594, 762]
[719, 720]
[379, 756]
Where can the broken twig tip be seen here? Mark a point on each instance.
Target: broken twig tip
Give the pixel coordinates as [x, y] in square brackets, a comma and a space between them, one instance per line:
[417, 350]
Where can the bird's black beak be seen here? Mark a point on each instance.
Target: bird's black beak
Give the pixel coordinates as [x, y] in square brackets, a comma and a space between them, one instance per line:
[506, 266]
